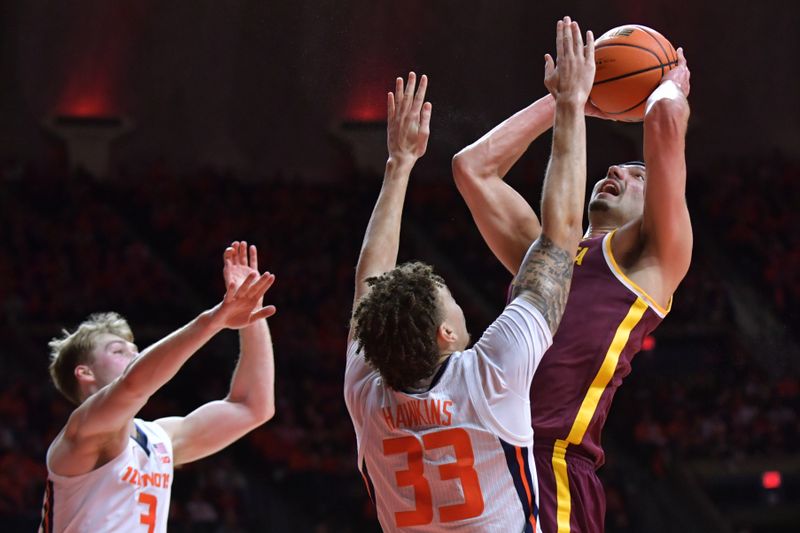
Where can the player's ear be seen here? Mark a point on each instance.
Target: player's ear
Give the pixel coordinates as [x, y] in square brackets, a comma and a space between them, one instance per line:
[84, 374]
[446, 334]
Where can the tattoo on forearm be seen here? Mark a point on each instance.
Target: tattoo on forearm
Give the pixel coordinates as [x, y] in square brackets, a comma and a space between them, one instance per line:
[545, 276]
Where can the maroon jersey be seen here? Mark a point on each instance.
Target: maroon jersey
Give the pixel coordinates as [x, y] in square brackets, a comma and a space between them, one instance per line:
[604, 324]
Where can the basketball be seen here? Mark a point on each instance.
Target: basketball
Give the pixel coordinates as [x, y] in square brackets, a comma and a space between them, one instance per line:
[631, 61]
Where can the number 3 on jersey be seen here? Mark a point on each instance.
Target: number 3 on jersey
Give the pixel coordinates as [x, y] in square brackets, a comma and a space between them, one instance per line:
[148, 519]
[414, 476]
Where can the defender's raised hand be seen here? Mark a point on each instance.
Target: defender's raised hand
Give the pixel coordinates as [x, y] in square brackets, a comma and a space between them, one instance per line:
[243, 300]
[408, 119]
[239, 262]
[571, 75]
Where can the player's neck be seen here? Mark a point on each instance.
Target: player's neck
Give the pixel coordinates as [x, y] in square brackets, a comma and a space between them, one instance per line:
[598, 230]
[424, 384]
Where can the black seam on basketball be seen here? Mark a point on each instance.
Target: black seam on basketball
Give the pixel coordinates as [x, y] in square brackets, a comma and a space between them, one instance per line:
[648, 69]
[658, 59]
[648, 32]
[643, 100]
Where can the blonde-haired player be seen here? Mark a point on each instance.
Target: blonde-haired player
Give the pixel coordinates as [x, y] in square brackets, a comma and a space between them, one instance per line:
[444, 432]
[111, 472]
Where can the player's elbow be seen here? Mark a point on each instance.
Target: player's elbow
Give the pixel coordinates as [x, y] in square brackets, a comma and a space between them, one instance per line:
[465, 172]
[132, 386]
[667, 115]
[262, 413]
[460, 166]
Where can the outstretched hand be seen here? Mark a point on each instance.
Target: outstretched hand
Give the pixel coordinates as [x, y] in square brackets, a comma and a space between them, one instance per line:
[244, 297]
[408, 119]
[571, 75]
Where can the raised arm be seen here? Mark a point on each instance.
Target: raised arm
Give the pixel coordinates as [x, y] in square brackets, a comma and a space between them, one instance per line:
[100, 427]
[407, 131]
[505, 219]
[545, 273]
[666, 228]
[251, 400]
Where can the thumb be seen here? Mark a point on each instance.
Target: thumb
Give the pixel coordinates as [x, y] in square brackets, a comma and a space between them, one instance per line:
[264, 312]
[549, 65]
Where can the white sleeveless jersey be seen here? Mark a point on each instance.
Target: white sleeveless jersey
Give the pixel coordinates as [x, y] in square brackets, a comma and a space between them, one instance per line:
[459, 456]
[128, 494]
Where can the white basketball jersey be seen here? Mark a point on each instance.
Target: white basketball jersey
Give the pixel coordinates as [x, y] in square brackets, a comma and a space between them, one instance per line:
[128, 494]
[459, 456]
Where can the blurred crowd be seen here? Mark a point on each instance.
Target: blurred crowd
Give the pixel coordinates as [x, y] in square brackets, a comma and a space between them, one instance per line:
[751, 207]
[151, 248]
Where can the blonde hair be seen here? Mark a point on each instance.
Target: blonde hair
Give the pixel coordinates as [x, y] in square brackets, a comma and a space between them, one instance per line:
[73, 349]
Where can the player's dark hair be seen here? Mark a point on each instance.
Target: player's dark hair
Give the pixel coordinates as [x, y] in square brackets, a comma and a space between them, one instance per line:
[397, 321]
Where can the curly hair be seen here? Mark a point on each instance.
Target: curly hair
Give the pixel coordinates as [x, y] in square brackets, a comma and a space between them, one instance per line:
[396, 324]
[73, 349]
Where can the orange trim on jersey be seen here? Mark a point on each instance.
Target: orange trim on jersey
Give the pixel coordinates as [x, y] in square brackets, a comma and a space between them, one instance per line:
[366, 484]
[521, 463]
[640, 291]
[47, 518]
[587, 410]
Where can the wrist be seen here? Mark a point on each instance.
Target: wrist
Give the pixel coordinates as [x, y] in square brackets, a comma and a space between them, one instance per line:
[667, 89]
[570, 103]
[212, 320]
[569, 109]
[397, 162]
[548, 101]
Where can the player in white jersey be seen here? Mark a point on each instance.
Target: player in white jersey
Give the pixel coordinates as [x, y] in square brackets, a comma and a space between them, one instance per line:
[111, 472]
[444, 436]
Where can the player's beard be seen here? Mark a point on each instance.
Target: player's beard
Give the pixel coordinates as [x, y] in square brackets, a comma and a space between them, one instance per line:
[599, 205]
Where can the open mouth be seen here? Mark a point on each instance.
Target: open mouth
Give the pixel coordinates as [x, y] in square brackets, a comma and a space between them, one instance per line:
[610, 187]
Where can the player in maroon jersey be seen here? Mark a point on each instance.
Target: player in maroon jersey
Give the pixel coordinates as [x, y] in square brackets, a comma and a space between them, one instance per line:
[634, 254]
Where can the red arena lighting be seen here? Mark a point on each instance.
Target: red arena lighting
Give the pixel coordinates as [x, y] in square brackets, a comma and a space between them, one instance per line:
[649, 343]
[771, 479]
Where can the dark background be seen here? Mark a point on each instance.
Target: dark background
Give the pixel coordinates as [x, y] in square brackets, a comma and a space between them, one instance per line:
[256, 120]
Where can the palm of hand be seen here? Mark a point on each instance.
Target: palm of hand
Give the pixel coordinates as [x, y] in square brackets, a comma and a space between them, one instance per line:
[245, 288]
[236, 274]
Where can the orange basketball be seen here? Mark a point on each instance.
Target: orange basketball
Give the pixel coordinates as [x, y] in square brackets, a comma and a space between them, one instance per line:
[631, 60]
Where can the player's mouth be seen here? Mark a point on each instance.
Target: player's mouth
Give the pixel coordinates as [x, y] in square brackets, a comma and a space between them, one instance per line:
[610, 186]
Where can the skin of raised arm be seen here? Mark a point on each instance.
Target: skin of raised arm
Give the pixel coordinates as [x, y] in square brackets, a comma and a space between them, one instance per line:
[545, 273]
[493, 155]
[251, 399]
[666, 228]
[98, 429]
[505, 219]
[408, 129]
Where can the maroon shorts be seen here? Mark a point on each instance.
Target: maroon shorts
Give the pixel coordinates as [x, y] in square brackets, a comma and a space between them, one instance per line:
[581, 493]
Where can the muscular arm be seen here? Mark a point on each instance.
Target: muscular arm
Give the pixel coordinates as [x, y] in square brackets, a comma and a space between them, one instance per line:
[506, 221]
[250, 403]
[408, 130]
[251, 400]
[545, 274]
[382, 237]
[99, 428]
[666, 229]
